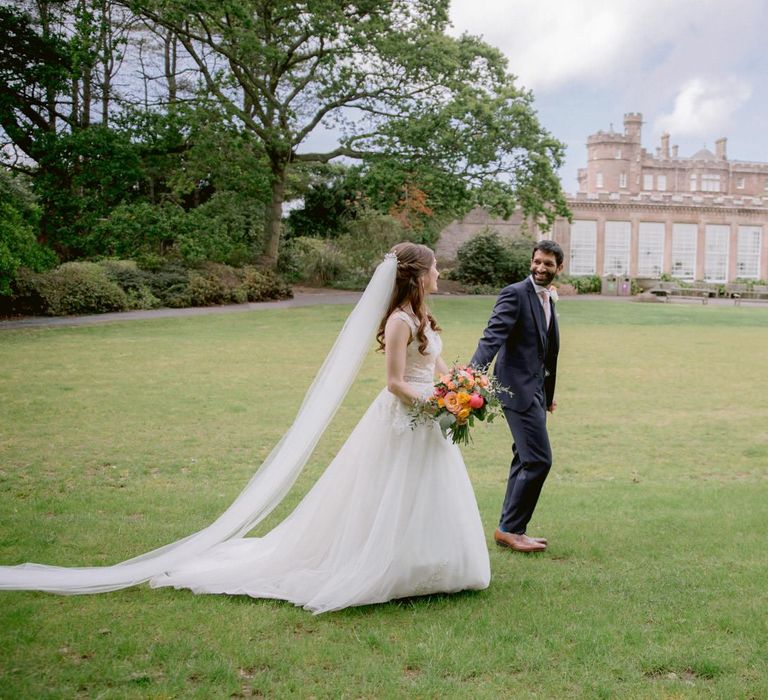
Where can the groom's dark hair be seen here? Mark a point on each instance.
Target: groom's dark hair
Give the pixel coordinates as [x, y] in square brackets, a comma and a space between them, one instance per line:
[547, 246]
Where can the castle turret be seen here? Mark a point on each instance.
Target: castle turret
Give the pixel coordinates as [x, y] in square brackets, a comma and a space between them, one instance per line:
[633, 126]
[612, 158]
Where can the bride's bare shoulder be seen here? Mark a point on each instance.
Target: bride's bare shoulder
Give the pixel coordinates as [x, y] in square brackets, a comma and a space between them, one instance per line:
[404, 315]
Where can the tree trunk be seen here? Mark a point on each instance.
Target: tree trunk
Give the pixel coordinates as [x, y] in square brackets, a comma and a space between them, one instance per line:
[50, 94]
[87, 96]
[75, 115]
[106, 46]
[105, 96]
[169, 54]
[273, 220]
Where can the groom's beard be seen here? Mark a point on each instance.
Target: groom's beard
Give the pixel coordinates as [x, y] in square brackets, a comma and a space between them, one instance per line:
[545, 279]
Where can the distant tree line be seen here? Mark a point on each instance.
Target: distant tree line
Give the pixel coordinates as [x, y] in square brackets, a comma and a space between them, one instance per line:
[174, 131]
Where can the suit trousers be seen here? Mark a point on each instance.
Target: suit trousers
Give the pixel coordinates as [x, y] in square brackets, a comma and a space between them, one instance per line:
[531, 462]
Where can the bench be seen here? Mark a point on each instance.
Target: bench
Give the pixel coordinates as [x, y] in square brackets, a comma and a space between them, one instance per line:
[739, 292]
[668, 290]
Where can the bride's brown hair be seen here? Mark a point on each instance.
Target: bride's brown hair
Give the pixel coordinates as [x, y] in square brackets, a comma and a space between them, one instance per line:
[413, 262]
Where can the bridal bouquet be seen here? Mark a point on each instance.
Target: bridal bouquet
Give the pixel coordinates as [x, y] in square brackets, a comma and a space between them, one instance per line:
[460, 397]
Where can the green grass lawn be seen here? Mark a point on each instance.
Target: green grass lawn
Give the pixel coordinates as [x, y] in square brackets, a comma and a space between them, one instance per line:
[116, 439]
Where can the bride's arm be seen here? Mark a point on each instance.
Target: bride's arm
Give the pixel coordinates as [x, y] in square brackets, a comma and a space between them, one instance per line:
[396, 337]
[441, 367]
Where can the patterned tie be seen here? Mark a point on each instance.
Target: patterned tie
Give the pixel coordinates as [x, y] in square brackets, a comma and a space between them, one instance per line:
[544, 296]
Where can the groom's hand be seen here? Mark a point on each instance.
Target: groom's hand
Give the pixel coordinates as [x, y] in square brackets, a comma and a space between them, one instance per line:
[551, 408]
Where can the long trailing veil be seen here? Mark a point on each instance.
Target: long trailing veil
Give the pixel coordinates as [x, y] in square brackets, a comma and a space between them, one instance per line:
[268, 485]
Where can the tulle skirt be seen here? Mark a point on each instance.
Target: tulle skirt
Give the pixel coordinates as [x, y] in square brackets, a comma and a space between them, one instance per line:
[394, 515]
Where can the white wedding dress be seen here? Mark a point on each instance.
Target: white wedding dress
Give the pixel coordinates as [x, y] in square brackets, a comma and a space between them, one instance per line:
[393, 515]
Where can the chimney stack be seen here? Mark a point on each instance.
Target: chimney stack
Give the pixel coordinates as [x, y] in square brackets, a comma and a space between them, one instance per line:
[665, 145]
[674, 151]
[720, 149]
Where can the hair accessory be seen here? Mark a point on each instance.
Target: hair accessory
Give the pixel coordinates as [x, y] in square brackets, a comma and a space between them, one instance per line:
[390, 256]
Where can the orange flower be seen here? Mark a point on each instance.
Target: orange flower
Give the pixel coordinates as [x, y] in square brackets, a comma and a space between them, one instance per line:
[452, 402]
[466, 379]
[441, 402]
[463, 414]
[464, 398]
[482, 380]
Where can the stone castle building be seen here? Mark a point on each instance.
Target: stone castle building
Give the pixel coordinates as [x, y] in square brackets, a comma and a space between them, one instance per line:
[641, 214]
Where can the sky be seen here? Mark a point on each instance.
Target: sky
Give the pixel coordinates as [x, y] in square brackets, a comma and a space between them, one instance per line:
[697, 69]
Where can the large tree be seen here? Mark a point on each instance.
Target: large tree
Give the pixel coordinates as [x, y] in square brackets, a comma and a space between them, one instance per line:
[35, 66]
[385, 76]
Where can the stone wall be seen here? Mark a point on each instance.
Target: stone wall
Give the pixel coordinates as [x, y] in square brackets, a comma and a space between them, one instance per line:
[459, 231]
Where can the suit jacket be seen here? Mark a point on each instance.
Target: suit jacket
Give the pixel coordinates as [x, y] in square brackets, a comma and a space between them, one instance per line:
[525, 351]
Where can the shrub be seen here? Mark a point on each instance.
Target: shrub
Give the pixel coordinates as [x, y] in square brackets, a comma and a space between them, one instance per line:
[221, 284]
[19, 223]
[138, 229]
[19, 248]
[215, 284]
[114, 285]
[133, 281]
[363, 246]
[73, 288]
[262, 285]
[169, 284]
[348, 260]
[226, 229]
[125, 273]
[482, 289]
[26, 294]
[588, 284]
[207, 290]
[312, 261]
[488, 261]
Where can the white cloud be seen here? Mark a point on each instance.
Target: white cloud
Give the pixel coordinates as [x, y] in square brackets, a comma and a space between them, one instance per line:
[609, 43]
[704, 106]
[539, 37]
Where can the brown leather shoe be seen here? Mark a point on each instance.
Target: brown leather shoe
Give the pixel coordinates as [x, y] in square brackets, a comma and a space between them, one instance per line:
[520, 543]
[540, 540]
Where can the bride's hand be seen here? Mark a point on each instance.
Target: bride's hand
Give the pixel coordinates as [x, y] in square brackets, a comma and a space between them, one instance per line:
[441, 367]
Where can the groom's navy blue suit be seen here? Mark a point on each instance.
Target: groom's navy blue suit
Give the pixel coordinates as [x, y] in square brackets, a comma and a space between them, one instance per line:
[526, 363]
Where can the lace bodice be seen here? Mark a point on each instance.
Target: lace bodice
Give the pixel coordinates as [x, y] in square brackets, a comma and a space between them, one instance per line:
[420, 369]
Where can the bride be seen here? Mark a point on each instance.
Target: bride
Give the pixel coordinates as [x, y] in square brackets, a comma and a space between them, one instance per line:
[393, 515]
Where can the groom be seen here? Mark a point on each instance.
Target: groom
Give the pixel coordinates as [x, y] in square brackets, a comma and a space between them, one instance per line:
[522, 331]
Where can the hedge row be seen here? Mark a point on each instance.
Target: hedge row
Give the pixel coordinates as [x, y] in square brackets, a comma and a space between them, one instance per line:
[120, 285]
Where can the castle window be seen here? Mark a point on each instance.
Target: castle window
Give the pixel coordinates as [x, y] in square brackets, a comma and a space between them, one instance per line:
[710, 182]
[622, 179]
[716, 252]
[647, 182]
[618, 153]
[739, 183]
[599, 180]
[617, 242]
[684, 251]
[661, 182]
[748, 252]
[583, 248]
[693, 183]
[650, 249]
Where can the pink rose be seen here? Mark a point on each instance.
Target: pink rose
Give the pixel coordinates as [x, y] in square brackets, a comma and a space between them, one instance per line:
[476, 401]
